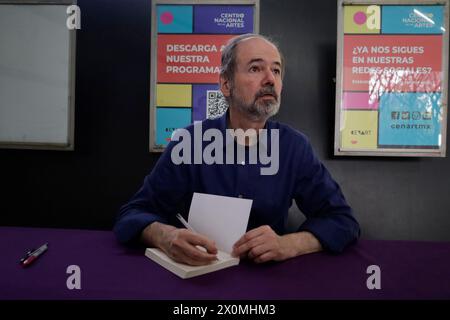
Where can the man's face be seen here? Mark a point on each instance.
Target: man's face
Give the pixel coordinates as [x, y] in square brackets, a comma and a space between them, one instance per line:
[256, 87]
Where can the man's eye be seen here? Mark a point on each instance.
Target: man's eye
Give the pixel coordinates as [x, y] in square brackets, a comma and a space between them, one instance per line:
[254, 69]
[277, 71]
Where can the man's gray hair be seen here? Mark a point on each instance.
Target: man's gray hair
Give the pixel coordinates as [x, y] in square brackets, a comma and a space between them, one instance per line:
[228, 62]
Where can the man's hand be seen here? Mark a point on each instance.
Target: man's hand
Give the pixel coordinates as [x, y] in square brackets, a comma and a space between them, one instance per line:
[263, 244]
[180, 244]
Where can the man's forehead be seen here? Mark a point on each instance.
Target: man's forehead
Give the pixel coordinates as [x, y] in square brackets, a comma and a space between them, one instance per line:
[257, 49]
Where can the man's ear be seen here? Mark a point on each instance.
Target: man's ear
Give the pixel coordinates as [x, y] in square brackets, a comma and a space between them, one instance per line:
[225, 86]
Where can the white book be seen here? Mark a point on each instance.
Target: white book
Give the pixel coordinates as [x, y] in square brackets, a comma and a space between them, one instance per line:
[208, 215]
[185, 271]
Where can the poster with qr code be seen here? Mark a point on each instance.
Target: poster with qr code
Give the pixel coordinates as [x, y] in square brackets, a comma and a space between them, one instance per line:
[392, 78]
[216, 104]
[187, 37]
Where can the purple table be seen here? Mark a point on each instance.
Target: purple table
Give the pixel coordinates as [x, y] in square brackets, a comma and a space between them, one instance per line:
[409, 270]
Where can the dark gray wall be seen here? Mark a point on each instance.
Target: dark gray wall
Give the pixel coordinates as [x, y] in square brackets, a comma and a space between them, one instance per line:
[394, 198]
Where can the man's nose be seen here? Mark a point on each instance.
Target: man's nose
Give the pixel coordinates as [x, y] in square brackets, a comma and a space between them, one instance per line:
[269, 78]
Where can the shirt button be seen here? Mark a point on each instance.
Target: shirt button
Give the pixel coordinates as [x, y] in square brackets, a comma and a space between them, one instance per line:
[240, 196]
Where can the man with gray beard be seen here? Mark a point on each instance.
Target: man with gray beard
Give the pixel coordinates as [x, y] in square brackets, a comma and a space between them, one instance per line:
[251, 81]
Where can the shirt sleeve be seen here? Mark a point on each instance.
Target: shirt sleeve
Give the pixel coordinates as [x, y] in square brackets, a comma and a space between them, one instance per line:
[161, 196]
[328, 216]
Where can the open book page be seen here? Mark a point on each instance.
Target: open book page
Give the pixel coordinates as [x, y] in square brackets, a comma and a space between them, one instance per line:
[185, 271]
[222, 219]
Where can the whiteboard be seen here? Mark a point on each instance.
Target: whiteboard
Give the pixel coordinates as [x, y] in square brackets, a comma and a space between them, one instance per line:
[36, 77]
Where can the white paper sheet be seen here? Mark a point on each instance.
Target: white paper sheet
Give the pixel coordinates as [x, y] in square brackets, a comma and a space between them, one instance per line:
[222, 219]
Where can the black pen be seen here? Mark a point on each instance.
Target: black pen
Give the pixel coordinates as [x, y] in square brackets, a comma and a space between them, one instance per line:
[33, 255]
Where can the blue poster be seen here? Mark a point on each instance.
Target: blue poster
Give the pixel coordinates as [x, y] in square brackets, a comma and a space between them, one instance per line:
[412, 19]
[168, 120]
[223, 19]
[410, 120]
[174, 19]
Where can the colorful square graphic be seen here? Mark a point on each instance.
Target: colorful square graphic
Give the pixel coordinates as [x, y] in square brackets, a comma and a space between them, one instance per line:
[173, 95]
[168, 120]
[199, 92]
[174, 18]
[359, 129]
[410, 120]
[223, 19]
[360, 100]
[362, 19]
[413, 19]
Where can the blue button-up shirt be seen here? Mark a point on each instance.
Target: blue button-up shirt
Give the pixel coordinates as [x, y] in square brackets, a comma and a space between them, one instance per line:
[168, 189]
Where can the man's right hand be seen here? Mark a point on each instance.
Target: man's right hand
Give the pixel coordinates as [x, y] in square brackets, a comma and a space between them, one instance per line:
[180, 244]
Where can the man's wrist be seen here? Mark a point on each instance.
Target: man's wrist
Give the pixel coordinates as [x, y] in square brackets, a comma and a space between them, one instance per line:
[153, 234]
[302, 242]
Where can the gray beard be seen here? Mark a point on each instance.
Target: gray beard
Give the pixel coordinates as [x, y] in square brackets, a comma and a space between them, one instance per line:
[258, 110]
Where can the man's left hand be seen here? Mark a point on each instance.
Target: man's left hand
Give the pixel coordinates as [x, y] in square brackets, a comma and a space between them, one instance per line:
[263, 244]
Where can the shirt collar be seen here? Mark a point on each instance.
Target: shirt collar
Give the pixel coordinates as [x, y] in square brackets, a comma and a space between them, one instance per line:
[223, 125]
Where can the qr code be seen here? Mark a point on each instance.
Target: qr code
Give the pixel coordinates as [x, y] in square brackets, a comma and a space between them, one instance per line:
[216, 105]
